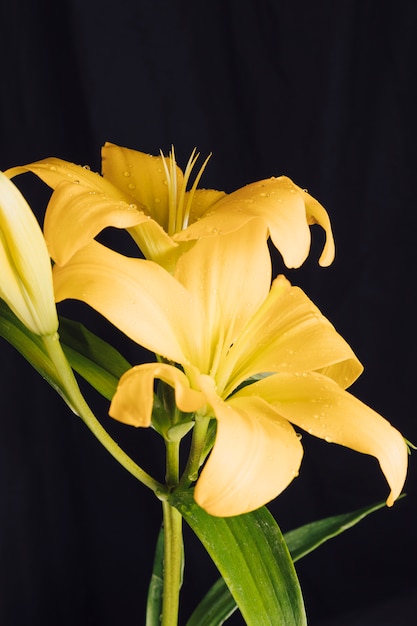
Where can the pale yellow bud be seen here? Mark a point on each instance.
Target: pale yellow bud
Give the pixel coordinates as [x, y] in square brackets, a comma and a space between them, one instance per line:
[25, 267]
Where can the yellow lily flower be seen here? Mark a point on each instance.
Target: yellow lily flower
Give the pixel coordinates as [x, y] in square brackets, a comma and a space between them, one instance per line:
[148, 196]
[26, 274]
[220, 320]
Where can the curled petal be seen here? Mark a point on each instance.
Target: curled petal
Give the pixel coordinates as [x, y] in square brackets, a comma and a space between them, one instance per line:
[76, 214]
[255, 456]
[289, 334]
[319, 406]
[53, 171]
[282, 206]
[133, 401]
[138, 297]
[317, 214]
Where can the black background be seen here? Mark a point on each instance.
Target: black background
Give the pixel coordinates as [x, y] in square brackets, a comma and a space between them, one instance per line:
[319, 91]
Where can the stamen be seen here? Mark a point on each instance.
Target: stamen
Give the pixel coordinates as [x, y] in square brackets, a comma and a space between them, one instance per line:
[193, 188]
[178, 209]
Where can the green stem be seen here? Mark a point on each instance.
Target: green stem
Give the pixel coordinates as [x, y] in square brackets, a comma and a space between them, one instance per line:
[81, 408]
[173, 547]
[172, 564]
[197, 447]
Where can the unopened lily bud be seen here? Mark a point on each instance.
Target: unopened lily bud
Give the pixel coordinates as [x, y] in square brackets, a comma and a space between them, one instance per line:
[25, 266]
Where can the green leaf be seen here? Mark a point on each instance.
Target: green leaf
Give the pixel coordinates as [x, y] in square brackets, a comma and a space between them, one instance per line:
[94, 359]
[218, 604]
[307, 538]
[156, 586]
[252, 557]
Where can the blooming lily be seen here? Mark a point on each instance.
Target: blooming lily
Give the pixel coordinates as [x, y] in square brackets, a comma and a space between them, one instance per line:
[217, 323]
[148, 195]
[26, 274]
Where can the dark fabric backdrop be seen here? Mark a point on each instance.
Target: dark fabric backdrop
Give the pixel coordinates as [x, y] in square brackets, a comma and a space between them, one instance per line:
[322, 92]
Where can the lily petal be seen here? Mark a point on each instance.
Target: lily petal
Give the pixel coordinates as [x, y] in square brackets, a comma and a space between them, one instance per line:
[289, 334]
[76, 215]
[230, 275]
[53, 171]
[319, 406]
[26, 275]
[255, 456]
[138, 297]
[282, 206]
[317, 214]
[133, 400]
[202, 201]
[142, 176]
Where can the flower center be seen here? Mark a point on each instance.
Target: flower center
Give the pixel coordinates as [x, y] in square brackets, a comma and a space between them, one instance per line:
[179, 199]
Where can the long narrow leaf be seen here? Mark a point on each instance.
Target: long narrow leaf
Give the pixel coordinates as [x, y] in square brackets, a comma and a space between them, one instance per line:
[95, 360]
[156, 585]
[218, 604]
[307, 538]
[253, 559]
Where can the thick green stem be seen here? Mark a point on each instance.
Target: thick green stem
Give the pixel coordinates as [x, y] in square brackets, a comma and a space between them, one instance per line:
[80, 407]
[173, 548]
[172, 564]
[197, 447]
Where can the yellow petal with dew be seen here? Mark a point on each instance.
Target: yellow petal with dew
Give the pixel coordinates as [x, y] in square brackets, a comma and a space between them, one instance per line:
[202, 201]
[26, 276]
[142, 176]
[255, 456]
[319, 406]
[281, 205]
[137, 296]
[76, 215]
[54, 171]
[289, 334]
[133, 401]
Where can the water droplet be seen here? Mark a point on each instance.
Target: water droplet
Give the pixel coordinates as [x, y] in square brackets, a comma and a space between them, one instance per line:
[328, 439]
[86, 167]
[157, 200]
[131, 186]
[126, 174]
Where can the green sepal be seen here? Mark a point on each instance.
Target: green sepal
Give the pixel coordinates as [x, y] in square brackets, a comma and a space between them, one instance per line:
[252, 557]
